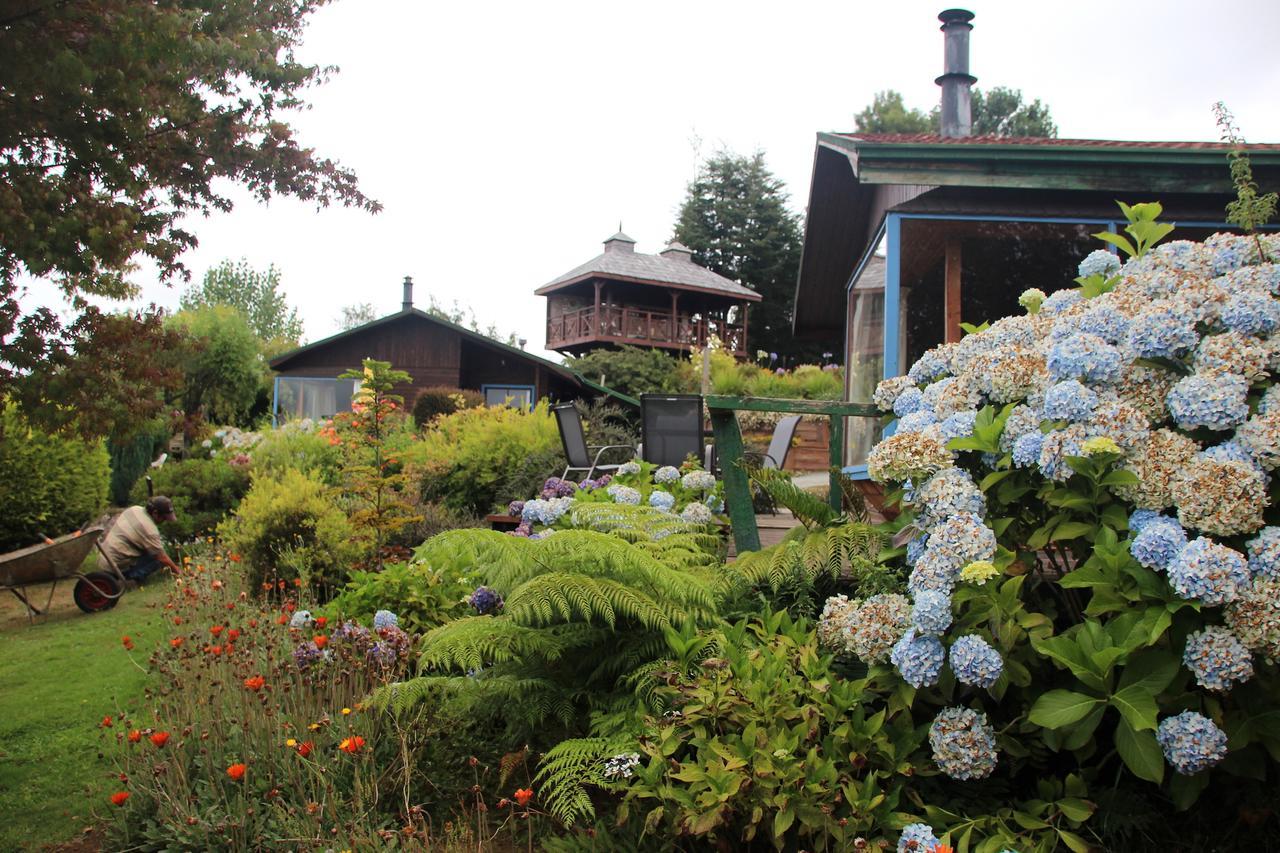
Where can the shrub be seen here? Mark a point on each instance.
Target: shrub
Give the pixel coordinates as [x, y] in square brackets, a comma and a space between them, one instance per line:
[290, 528]
[463, 458]
[52, 484]
[636, 371]
[297, 446]
[433, 402]
[204, 492]
[433, 518]
[422, 597]
[130, 459]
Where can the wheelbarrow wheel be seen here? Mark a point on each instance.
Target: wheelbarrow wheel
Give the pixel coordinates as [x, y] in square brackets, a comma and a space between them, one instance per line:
[96, 592]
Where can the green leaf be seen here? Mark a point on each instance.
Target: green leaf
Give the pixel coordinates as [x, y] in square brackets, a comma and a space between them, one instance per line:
[1082, 732]
[1116, 240]
[782, 821]
[1071, 530]
[1076, 809]
[1075, 842]
[1140, 753]
[1151, 670]
[1059, 708]
[1137, 706]
[1185, 790]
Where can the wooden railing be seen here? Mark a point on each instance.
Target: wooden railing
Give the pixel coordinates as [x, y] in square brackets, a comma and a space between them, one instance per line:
[737, 491]
[641, 326]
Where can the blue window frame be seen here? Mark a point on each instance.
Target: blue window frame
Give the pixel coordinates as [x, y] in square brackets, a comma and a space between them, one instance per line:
[519, 396]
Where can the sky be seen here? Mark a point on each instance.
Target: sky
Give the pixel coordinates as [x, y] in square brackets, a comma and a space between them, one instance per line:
[507, 140]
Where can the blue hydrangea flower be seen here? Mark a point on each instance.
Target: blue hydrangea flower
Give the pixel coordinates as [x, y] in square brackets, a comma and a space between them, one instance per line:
[1229, 451]
[1056, 446]
[918, 659]
[909, 401]
[1026, 449]
[1251, 314]
[1217, 658]
[542, 511]
[714, 503]
[946, 493]
[963, 743]
[696, 513]
[975, 662]
[385, 619]
[1099, 262]
[627, 468]
[1264, 552]
[1105, 322]
[931, 613]
[917, 838]
[1163, 333]
[1069, 401]
[1191, 742]
[1158, 543]
[930, 366]
[915, 548]
[301, 619]
[1060, 301]
[1085, 356]
[666, 474]
[916, 421]
[959, 425]
[1140, 518]
[662, 500]
[698, 481]
[485, 601]
[623, 494]
[1208, 572]
[1218, 402]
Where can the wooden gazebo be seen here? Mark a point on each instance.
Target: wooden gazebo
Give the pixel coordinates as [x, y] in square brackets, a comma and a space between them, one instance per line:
[665, 300]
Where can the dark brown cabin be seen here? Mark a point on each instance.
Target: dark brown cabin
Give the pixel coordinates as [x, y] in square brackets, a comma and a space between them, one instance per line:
[664, 300]
[433, 351]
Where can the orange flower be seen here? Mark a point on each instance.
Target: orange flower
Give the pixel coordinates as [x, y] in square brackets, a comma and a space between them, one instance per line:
[233, 635]
[283, 620]
[523, 796]
[255, 683]
[352, 744]
[177, 620]
[217, 584]
[321, 621]
[175, 642]
[236, 771]
[214, 650]
[160, 738]
[941, 848]
[135, 736]
[106, 722]
[253, 623]
[215, 630]
[128, 642]
[235, 558]
[320, 640]
[118, 798]
[304, 748]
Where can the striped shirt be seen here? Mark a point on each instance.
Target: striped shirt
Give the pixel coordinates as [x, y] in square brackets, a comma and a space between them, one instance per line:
[133, 535]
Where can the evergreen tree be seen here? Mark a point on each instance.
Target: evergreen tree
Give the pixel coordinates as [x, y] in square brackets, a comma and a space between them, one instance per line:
[736, 220]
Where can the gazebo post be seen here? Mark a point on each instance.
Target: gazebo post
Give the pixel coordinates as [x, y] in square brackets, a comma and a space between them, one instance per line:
[595, 314]
[745, 351]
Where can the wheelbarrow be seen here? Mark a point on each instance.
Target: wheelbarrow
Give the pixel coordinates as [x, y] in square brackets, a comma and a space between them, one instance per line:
[58, 559]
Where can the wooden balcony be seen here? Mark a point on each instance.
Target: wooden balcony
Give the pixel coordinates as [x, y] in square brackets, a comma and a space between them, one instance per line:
[577, 330]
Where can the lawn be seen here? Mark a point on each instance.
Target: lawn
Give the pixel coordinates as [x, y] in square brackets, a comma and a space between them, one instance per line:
[61, 676]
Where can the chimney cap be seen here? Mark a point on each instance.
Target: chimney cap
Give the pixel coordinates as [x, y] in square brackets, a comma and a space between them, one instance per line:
[955, 16]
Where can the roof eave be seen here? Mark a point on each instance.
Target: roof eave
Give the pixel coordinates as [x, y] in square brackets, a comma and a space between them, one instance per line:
[748, 296]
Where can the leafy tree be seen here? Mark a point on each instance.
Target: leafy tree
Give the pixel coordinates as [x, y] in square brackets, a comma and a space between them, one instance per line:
[119, 119]
[223, 369]
[254, 294]
[998, 112]
[357, 315]
[633, 370]
[736, 221]
[466, 317]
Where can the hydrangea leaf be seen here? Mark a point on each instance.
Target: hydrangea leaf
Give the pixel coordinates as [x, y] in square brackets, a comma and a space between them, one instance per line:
[1140, 752]
[1059, 708]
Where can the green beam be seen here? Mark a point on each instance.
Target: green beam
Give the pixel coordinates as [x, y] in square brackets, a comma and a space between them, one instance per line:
[737, 491]
[837, 462]
[794, 407]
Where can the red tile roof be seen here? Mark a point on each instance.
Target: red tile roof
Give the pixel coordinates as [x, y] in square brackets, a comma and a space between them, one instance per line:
[936, 139]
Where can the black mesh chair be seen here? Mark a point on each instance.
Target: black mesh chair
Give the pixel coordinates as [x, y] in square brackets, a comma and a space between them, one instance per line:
[581, 456]
[671, 428]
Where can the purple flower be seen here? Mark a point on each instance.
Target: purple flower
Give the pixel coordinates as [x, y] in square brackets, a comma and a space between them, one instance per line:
[485, 601]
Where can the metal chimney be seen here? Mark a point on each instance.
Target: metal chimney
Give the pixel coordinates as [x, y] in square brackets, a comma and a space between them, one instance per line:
[408, 293]
[957, 111]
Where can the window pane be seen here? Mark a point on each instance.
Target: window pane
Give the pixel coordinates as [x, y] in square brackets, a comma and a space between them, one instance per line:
[495, 395]
[315, 398]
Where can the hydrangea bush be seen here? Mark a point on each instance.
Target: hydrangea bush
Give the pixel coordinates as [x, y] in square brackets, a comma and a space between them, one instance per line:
[1089, 515]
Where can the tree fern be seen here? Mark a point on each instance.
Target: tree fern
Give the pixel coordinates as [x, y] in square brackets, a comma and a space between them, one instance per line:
[566, 770]
[809, 508]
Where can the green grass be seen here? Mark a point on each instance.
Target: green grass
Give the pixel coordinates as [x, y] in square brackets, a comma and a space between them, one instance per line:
[58, 678]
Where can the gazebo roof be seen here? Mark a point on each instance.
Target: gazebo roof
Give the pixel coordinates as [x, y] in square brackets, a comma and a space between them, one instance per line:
[673, 267]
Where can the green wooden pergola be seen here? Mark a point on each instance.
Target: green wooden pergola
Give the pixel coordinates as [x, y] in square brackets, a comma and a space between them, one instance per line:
[737, 490]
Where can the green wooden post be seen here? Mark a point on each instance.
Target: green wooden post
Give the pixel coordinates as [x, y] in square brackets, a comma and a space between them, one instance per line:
[737, 491]
[837, 460]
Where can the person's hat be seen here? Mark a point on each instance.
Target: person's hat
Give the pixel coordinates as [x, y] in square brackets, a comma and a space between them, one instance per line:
[162, 508]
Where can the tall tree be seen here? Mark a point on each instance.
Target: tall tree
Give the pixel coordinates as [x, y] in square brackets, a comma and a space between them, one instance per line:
[736, 220]
[1001, 111]
[254, 294]
[118, 119]
[224, 367]
[357, 315]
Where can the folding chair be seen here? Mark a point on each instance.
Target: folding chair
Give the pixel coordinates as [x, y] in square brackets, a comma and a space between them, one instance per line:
[576, 449]
[671, 429]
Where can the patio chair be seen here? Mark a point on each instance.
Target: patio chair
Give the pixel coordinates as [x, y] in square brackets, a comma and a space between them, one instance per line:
[671, 429]
[576, 450]
[779, 444]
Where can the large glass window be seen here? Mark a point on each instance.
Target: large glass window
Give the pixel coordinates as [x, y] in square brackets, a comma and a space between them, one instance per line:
[516, 396]
[299, 397]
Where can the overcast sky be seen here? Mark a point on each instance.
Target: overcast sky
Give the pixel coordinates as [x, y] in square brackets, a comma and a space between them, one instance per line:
[506, 140]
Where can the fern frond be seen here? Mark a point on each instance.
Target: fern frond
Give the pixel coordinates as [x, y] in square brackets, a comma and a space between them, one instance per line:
[566, 770]
[572, 596]
[809, 508]
[474, 642]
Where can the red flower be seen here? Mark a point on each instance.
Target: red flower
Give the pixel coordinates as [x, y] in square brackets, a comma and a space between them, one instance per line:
[160, 738]
[177, 620]
[235, 558]
[321, 621]
[215, 630]
[283, 620]
[352, 745]
[236, 771]
[523, 796]
[175, 642]
[128, 642]
[320, 640]
[118, 798]
[233, 635]
[214, 650]
[106, 722]
[135, 736]
[304, 748]
[253, 623]
[255, 683]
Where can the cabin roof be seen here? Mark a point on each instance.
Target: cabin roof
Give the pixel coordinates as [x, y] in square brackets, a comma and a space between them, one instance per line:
[672, 268]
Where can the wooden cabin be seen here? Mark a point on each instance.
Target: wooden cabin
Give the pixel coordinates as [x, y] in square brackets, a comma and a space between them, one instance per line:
[433, 351]
[664, 301]
[907, 236]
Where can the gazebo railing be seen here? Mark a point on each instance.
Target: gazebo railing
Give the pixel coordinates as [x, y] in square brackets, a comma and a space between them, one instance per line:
[737, 490]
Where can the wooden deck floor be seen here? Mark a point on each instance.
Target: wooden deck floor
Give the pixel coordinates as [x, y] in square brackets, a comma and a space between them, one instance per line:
[772, 528]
